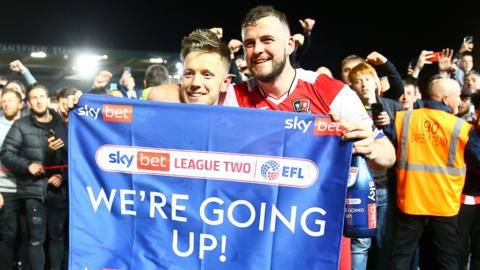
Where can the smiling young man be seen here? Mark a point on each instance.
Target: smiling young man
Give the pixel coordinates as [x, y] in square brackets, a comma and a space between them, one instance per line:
[206, 63]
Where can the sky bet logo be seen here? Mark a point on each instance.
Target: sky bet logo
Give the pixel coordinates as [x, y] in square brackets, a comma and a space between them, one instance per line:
[322, 126]
[110, 112]
[152, 161]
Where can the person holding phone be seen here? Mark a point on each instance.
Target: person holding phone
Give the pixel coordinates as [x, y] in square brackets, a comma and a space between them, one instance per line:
[365, 82]
[464, 57]
[42, 190]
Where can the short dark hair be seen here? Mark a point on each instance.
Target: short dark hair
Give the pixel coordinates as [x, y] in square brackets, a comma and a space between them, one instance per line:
[64, 92]
[352, 57]
[259, 12]
[19, 97]
[409, 81]
[206, 41]
[472, 72]
[22, 86]
[36, 86]
[156, 75]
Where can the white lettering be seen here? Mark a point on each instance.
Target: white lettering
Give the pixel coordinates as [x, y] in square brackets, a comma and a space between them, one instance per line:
[217, 212]
[176, 207]
[101, 197]
[124, 202]
[320, 222]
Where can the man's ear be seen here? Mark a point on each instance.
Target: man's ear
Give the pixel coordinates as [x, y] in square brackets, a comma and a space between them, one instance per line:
[290, 45]
[226, 83]
[444, 100]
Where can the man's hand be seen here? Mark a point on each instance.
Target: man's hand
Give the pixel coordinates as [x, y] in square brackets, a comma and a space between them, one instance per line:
[36, 169]
[17, 66]
[72, 101]
[1, 201]
[55, 180]
[102, 79]
[445, 61]
[376, 59]
[466, 46]
[307, 24]
[218, 31]
[380, 152]
[360, 134]
[299, 38]
[422, 60]
[55, 144]
[234, 45]
[362, 137]
[382, 120]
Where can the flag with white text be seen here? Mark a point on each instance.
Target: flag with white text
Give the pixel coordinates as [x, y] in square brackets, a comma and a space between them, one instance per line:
[178, 186]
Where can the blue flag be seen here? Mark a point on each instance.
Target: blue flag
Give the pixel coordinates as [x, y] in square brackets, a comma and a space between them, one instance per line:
[178, 186]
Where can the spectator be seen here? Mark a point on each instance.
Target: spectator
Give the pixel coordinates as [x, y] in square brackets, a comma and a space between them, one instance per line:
[24, 152]
[432, 166]
[154, 75]
[12, 106]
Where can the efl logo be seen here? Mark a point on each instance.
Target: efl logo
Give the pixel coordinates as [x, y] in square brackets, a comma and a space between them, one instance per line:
[325, 127]
[270, 170]
[153, 161]
[117, 113]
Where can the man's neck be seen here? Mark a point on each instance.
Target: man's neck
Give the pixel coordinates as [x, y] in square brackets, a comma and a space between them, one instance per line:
[281, 85]
[47, 118]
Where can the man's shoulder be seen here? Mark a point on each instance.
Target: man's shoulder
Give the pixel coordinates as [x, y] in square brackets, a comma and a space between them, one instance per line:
[24, 120]
[165, 93]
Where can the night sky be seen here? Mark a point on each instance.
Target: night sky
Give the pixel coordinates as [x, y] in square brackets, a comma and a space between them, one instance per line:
[397, 29]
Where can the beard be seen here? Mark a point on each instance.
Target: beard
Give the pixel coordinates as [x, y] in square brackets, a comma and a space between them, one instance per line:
[10, 115]
[40, 113]
[277, 68]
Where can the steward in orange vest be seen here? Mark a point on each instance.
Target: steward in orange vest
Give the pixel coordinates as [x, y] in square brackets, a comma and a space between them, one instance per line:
[434, 148]
[430, 161]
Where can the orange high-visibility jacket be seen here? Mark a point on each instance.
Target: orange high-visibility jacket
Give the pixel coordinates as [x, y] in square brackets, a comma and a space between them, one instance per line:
[430, 161]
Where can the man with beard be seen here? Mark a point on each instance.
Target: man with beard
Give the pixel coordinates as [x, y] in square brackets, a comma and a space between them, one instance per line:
[276, 85]
[12, 106]
[24, 152]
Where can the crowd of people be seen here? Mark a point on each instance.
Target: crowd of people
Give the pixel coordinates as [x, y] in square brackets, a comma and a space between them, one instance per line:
[422, 141]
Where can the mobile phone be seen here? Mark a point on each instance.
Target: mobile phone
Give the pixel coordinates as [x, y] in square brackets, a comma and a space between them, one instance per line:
[113, 86]
[127, 69]
[377, 108]
[433, 57]
[468, 39]
[51, 133]
[413, 62]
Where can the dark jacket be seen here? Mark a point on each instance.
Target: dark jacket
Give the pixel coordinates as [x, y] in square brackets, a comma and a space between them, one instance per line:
[26, 143]
[394, 79]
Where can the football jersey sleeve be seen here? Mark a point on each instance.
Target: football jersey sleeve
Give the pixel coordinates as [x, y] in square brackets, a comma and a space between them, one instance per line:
[347, 105]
